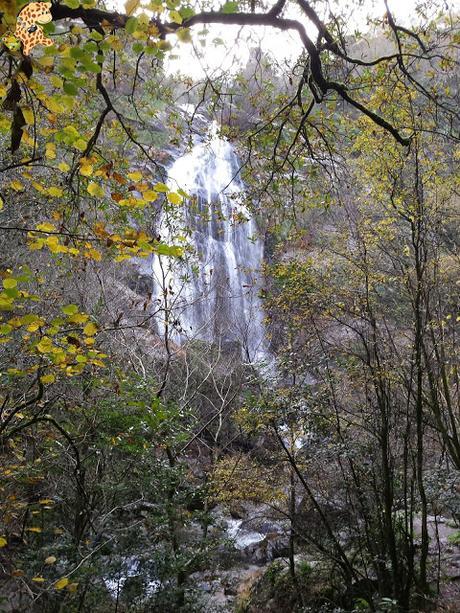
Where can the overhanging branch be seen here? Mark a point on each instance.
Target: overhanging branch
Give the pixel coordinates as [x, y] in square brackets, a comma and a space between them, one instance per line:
[96, 19]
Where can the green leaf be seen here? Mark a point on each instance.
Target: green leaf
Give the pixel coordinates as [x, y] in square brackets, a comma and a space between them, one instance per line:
[170, 250]
[91, 67]
[77, 53]
[70, 88]
[138, 47]
[131, 25]
[65, 72]
[230, 7]
[11, 292]
[91, 46]
[28, 319]
[73, 4]
[49, 28]
[70, 309]
[187, 12]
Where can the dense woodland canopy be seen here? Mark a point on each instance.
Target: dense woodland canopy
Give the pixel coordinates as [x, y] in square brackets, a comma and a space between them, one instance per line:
[126, 455]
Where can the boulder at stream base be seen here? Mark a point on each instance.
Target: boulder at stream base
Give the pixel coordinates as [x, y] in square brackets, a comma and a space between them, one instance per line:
[274, 545]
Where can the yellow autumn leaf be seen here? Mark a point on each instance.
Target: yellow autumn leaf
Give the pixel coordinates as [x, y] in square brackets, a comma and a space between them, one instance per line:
[90, 329]
[45, 345]
[9, 283]
[3, 542]
[38, 579]
[50, 151]
[38, 186]
[174, 198]
[127, 202]
[78, 318]
[86, 170]
[55, 192]
[115, 43]
[80, 144]
[48, 379]
[50, 560]
[17, 185]
[53, 244]
[56, 81]
[28, 115]
[27, 139]
[150, 195]
[131, 6]
[53, 105]
[135, 175]
[63, 166]
[34, 529]
[46, 227]
[38, 244]
[95, 190]
[175, 16]
[93, 254]
[59, 585]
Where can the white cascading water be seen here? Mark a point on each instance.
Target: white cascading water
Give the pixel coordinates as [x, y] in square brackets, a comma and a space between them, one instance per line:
[214, 296]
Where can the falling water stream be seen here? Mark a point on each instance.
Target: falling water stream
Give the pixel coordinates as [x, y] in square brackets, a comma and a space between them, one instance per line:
[214, 294]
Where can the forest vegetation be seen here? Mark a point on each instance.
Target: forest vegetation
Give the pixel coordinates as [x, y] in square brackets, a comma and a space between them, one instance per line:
[146, 466]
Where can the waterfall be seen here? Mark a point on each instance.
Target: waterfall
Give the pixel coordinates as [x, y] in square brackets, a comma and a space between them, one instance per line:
[213, 295]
